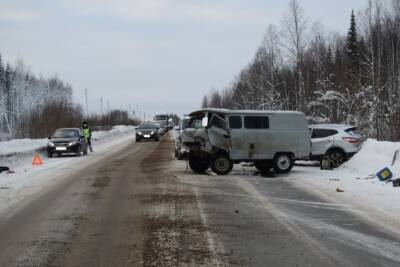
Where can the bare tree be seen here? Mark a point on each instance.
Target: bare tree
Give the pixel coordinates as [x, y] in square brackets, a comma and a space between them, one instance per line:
[294, 32]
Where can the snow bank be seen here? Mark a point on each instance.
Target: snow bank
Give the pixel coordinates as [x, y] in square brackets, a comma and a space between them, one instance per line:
[21, 146]
[115, 131]
[373, 157]
[30, 146]
[370, 197]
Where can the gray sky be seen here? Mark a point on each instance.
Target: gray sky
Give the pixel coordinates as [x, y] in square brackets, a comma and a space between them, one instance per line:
[161, 54]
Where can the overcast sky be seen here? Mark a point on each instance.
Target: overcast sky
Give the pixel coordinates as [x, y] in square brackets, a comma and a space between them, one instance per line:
[161, 54]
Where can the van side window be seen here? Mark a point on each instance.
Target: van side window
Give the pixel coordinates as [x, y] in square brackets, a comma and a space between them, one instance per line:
[321, 133]
[216, 121]
[235, 122]
[256, 122]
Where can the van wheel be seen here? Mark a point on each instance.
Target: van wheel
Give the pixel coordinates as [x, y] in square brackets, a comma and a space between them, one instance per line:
[283, 163]
[221, 164]
[263, 166]
[199, 165]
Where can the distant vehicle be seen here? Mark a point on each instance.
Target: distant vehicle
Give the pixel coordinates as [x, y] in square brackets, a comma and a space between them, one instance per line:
[67, 141]
[161, 128]
[148, 131]
[270, 139]
[337, 142]
[179, 150]
[165, 119]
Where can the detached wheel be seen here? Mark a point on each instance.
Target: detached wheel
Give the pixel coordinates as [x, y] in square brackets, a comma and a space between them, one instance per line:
[337, 157]
[283, 163]
[199, 165]
[221, 164]
[263, 166]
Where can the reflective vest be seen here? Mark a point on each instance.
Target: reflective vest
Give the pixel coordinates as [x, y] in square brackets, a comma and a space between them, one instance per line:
[86, 133]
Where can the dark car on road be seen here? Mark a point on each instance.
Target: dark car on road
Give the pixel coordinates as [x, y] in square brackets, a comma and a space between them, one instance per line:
[67, 141]
[148, 131]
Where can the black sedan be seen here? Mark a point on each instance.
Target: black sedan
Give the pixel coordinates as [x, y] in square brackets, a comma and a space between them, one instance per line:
[67, 141]
[147, 131]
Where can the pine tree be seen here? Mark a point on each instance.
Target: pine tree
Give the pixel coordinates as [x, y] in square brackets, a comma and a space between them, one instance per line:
[353, 55]
[2, 74]
[8, 94]
[204, 103]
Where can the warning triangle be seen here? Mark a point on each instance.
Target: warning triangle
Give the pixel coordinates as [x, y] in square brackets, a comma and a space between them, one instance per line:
[37, 160]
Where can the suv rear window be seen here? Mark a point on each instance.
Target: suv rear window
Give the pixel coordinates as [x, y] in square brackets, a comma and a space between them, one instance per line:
[353, 131]
[235, 122]
[321, 133]
[256, 122]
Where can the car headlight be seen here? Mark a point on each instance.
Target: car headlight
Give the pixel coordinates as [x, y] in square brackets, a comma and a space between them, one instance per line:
[72, 143]
[139, 133]
[50, 143]
[152, 132]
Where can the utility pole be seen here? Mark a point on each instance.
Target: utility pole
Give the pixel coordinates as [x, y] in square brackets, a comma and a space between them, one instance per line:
[87, 106]
[101, 106]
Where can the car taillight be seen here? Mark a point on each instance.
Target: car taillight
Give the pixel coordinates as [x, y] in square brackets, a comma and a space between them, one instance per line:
[351, 140]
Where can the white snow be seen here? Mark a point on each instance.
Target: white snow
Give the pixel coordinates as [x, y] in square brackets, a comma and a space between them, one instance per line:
[28, 179]
[21, 146]
[372, 198]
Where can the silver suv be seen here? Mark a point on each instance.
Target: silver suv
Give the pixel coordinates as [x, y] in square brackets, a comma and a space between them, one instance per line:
[336, 141]
[179, 151]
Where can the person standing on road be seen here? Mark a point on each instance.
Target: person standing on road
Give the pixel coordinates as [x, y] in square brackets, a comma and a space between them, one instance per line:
[87, 133]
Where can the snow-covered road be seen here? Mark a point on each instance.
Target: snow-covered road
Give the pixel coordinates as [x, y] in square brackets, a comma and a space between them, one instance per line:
[27, 180]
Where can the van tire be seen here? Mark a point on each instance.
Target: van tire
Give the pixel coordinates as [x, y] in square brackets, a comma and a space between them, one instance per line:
[221, 164]
[263, 166]
[283, 163]
[199, 165]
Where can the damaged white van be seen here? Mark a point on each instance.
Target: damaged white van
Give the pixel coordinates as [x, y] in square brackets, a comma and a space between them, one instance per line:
[270, 139]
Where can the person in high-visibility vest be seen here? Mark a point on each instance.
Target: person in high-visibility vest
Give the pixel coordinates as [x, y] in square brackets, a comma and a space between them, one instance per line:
[87, 133]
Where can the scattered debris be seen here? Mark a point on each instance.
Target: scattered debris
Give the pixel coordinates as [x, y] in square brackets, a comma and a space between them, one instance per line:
[236, 211]
[326, 163]
[10, 172]
[339, 190]
[396, 182]
[384, 174]
[334, 179]
[4, 169]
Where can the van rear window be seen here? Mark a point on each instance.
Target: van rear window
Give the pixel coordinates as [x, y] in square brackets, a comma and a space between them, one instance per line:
[235, 122]
[256, 122]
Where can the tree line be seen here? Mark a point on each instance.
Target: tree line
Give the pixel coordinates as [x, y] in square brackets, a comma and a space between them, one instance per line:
[33, 107]
[331, 77]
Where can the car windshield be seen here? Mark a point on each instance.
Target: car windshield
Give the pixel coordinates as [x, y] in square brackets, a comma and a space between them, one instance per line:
[148, 126]
[66, 133]
[185, 123]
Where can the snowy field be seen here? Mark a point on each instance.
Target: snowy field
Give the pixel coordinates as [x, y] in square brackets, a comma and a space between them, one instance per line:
[363, 191]
[28, 180]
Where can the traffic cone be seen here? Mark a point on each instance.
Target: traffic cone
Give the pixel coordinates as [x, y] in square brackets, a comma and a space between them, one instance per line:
[37, 160]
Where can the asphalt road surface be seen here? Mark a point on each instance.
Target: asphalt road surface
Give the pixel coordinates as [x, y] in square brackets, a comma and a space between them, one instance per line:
[140, 207]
